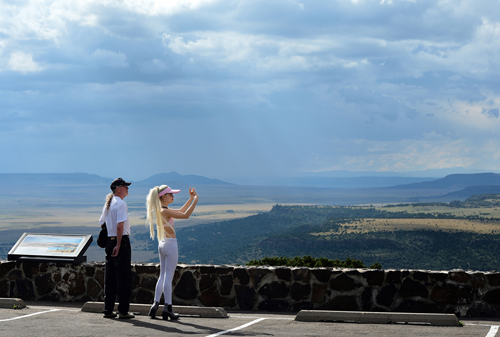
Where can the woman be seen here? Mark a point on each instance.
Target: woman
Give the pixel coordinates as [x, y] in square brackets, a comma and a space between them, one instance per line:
[162, 217]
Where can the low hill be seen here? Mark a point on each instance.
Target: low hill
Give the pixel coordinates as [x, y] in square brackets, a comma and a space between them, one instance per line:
[471, 191]
[22, 180]
[335, 182]
[456, 182]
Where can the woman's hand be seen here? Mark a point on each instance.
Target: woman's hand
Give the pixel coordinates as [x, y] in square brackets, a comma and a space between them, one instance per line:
[192, 192]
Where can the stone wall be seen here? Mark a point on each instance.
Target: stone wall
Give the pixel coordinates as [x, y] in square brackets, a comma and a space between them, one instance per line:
[470, 294]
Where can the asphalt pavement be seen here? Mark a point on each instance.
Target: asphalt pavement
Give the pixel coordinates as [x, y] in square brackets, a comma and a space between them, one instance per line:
[63, 319]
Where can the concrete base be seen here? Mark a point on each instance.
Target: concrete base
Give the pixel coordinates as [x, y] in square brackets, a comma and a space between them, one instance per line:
[376, 317]
[12, 303]
[143, 309]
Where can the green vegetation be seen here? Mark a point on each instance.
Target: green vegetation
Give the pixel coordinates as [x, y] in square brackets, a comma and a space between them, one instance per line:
[307, 261]
[342, 232]
[412, 249]
[475, 201]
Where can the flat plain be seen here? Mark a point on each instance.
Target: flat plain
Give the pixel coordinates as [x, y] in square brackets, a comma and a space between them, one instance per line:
[54, 217]
[481, 220]
[75, 210]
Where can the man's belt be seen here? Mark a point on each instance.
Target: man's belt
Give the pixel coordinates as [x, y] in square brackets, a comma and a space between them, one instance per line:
[114, 237]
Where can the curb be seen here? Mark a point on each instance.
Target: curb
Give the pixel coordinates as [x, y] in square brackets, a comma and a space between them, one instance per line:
[377, 317]
[143, 309]
[12, 303]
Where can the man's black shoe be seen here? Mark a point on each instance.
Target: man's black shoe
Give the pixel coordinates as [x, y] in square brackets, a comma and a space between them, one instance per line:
[125, 316]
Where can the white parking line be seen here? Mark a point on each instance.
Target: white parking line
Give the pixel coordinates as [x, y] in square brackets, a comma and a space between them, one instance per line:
[50, 308]
[285, 318]
[25, 316]
[237, 328]
[493, 331]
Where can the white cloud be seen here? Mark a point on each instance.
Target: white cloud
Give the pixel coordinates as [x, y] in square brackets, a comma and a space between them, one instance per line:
[37, 19]
[162, 7]
[229, 46]
[268, 53]
[474, 58]
[473, 116]
[154, 66]
[49, 19]
[109, 58]
[23, 63]
[411, 155]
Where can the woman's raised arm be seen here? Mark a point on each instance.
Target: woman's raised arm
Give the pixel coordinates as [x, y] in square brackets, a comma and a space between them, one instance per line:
[184, 212]
[192, 193]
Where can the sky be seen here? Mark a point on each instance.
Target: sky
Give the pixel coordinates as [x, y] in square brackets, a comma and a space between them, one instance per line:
[233, 89]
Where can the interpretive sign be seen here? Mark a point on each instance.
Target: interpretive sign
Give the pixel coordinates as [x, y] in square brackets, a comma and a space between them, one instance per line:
[50, 248]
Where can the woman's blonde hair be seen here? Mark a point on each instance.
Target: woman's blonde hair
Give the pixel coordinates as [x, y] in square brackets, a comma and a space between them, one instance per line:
[154, 217]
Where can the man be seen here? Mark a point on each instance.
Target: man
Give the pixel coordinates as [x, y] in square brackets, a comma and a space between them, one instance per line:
[118, 274]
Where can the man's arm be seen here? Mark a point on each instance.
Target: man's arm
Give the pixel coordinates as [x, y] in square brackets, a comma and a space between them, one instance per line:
[102, 219]
[119, 234]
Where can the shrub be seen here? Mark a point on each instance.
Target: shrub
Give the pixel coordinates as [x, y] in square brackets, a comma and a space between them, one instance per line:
[311, 262]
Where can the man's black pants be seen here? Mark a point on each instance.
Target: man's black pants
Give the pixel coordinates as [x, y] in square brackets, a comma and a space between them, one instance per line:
[118, 277]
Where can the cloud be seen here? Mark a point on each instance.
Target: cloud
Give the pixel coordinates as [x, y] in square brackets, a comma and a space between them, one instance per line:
[52, 19]
[161, 7]
[262, 53]
[409, 155]
[491, 113]
[109, 58]
[154, 66]
[293, 86]
[23, 63]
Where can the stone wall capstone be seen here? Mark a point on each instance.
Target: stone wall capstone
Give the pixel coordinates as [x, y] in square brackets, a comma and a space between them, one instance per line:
[464, 293]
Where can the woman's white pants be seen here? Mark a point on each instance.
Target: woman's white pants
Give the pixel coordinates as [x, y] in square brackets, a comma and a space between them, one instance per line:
[169, 257]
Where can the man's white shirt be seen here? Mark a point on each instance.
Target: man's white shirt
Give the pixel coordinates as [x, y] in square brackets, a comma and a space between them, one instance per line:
[117, 212]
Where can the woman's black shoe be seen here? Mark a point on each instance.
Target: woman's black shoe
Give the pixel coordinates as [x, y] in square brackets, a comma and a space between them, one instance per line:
[152, 311]
[169, 313]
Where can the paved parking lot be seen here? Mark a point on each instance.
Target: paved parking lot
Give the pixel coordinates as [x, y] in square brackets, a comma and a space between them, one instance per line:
[68, 320]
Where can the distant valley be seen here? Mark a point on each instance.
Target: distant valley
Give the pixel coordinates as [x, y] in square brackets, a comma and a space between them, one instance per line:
[71, 203]
[414, 236]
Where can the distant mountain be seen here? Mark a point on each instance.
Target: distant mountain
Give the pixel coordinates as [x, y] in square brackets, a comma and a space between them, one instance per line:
[472, 190]
[23, 180]
[50, 179]
[334, 182]
[456, 182]
[174, 178]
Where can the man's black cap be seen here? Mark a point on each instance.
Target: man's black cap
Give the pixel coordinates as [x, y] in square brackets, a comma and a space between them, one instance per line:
[118, 182]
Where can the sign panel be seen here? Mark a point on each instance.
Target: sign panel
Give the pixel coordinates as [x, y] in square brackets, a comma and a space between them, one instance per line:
[51, 248]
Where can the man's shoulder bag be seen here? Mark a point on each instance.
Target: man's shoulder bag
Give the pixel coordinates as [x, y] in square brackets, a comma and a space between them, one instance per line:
[103, 236]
